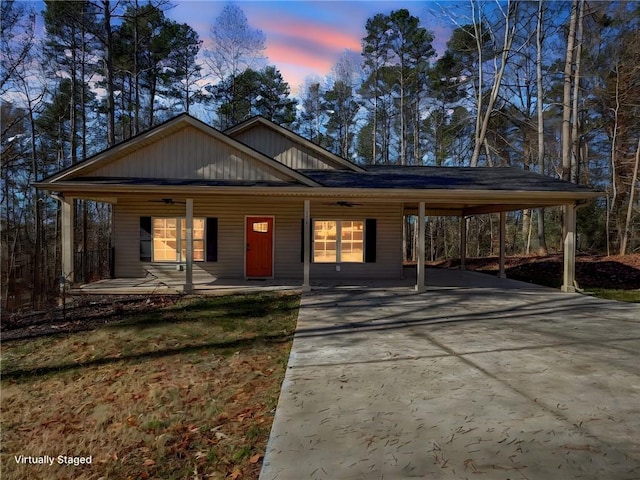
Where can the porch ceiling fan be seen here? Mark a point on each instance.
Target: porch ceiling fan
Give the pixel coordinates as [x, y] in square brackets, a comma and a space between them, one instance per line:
[344, 203]
[168, 201]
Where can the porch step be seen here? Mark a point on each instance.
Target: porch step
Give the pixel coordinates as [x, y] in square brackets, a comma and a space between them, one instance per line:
[174, 275]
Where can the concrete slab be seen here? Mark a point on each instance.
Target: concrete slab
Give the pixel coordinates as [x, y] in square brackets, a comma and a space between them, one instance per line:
[498, 380]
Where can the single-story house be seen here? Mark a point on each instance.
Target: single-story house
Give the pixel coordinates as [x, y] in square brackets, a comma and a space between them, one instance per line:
[259, 201]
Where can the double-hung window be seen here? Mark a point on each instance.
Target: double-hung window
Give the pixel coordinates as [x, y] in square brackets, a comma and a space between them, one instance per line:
[170, 239]
[338, 241]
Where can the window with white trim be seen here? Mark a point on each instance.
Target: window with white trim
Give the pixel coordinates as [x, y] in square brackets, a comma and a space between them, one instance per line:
[338, 241]
[168, 246]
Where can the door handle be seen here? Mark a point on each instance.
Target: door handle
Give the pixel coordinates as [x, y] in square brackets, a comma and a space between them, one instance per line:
[248, 247]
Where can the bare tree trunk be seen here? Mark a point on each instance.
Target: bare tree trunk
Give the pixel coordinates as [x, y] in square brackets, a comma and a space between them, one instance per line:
[607, 228]
[73, 125]
[488, 153]
[83, 109]
[566, 96]
[575, 139]
[526, 214]
[108, 59]
[375, 123]
[416, 132]
[152, 99]
[431, 252]
[443, 229]
[529, 233]
[477, 28]
[404, 237]
[491, 236]
[509, 33]
[136, 72]
[526, 231]
[627, 223]
[542, 242]
[37, 278]
[614, 173]
[403, 139]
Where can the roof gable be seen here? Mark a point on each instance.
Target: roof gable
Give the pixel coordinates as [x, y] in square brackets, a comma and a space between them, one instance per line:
[183, 148]
[287, 147]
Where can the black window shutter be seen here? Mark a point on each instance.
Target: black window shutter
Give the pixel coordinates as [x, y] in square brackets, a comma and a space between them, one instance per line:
[145, 239]
[212, 240]
[302, 239]
[370, 234]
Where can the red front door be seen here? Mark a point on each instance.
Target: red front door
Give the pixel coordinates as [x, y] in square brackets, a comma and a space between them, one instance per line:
[259, 247]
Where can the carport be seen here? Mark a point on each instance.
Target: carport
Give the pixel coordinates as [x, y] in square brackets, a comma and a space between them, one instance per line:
[462, 192]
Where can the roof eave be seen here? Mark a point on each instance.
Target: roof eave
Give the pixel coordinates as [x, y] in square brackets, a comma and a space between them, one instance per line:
[428, 195]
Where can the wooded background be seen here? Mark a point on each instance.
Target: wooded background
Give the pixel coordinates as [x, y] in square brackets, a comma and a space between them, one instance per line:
[551, 87]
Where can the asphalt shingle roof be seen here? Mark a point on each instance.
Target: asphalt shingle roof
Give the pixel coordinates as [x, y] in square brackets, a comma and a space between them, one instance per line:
[448, 178]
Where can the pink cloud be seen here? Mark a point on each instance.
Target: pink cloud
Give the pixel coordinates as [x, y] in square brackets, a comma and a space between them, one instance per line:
[301, 48]
[325, 35]
[292, 54]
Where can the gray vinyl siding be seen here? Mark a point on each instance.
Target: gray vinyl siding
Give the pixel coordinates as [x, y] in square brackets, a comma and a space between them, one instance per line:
[293, 154]
[189, 154]
[288, 214]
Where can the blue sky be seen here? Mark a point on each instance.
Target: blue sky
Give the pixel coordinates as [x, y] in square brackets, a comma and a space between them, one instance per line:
[307, 38]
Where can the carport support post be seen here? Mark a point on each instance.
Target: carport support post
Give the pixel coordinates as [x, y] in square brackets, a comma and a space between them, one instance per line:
[188, 283]
[66, 228]
[503, 235]
[306, 246]
[463, 242]
[421, 251]
[569, 275]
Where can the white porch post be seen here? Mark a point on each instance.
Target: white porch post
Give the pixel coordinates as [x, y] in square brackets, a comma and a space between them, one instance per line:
[66, 228]
[503, 234]
[421, 253]
[188, 283]
[569, 275]
[463, 243]
[306, 246]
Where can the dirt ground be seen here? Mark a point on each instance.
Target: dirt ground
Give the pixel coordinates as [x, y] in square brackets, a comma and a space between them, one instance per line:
[83, 313]
[592, 271]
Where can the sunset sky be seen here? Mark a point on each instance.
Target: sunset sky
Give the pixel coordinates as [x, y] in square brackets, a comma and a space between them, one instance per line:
[307, 38]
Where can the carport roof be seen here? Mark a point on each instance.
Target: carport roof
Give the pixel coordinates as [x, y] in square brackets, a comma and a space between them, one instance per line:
[445, 178]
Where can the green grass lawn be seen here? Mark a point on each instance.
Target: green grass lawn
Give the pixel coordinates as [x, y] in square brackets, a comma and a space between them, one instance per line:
[186, 391]
[631, 296]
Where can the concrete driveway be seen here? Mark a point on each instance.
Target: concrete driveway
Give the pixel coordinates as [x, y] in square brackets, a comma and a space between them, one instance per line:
[493, 379]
